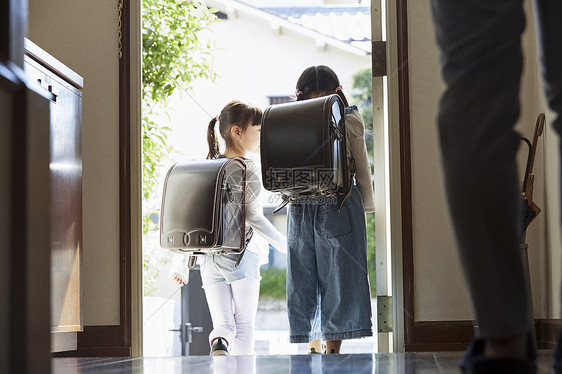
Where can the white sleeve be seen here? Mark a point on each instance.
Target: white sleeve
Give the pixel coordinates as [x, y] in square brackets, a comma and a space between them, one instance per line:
[254, 212]
[179, 267]
[363, 169]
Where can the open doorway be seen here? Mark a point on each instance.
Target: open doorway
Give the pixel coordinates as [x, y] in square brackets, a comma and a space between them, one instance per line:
[259, 50]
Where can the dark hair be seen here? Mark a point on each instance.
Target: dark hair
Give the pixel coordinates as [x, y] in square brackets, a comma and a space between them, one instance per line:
[317, 79]
[236, 113]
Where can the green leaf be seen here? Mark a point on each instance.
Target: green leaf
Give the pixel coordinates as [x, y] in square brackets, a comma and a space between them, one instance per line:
[170, 42]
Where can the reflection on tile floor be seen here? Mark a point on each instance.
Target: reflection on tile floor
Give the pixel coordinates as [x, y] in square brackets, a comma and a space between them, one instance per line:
[408, 363]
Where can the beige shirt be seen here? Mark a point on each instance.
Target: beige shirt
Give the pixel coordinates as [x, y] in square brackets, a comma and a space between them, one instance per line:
[356, 148]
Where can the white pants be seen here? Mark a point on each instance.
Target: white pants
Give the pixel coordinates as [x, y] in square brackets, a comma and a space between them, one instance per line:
[233, 310]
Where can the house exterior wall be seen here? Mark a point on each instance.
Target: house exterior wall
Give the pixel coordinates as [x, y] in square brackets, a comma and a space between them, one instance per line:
[253, 61]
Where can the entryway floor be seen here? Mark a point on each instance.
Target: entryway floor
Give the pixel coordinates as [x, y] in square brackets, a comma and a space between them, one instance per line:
[407, 363]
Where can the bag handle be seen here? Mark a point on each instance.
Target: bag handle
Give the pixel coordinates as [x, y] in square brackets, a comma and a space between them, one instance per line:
[539, 128]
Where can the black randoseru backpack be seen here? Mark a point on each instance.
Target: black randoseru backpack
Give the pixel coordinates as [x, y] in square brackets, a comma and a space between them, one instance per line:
[303, 149]
[203, 207]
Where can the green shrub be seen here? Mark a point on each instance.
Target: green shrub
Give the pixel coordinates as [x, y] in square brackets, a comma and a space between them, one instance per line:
[273, 283]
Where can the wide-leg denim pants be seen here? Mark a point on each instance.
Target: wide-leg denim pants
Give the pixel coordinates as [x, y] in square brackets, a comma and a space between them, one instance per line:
[481, 57]
[327, 275]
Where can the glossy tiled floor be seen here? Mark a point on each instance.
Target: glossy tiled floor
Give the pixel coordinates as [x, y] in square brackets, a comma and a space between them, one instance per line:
[407, 363]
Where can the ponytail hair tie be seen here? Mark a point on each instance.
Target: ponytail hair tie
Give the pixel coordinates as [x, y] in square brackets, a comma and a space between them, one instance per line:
[217, 118]
[338, 88]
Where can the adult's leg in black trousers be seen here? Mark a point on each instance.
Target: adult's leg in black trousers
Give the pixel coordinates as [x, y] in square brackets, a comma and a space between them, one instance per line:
[481, 65]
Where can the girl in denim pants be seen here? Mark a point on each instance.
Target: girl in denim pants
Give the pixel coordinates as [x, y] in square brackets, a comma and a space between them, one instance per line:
[327, 277]
[232, 291]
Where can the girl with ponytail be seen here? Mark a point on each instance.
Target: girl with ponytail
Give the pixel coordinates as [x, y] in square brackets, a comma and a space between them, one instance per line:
[239, 125]
[232, 292]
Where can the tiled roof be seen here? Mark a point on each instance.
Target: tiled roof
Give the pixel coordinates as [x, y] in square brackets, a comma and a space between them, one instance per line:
[350, 24]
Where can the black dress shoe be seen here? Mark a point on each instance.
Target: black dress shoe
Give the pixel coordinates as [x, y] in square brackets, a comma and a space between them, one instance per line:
[219, 348]
[476, 363]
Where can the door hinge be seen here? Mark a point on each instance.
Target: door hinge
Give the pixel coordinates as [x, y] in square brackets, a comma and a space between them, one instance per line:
[378, 56]
[384, 313]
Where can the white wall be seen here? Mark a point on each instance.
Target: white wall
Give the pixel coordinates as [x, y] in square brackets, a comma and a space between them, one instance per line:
[83, 35]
